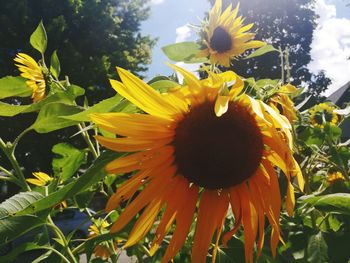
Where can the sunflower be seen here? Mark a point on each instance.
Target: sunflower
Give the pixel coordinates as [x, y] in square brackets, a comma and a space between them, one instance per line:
[41, 179]
[225, 36]
[282, 103]
[199, 143]
[323, 113]
[101, 250]
[335, 177]
[32, 71]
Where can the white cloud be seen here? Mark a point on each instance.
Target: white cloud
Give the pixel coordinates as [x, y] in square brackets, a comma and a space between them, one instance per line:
[183, 33]
[156, 2]
[330, 47]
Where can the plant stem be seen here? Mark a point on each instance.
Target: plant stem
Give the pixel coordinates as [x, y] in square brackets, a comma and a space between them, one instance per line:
[282, 64]
[10, 155]
[88, 141]
[61, 236]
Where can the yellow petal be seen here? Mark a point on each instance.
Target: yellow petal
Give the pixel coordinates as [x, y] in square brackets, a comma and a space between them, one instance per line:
[131, 144]
[212, 209]
[183, 223]
[221, 105]
[143, 96]
[134, 125]
[140, 160]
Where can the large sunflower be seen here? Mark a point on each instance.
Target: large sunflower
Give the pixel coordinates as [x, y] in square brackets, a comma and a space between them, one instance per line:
[183, 152]
[225, 36]
[33, 72]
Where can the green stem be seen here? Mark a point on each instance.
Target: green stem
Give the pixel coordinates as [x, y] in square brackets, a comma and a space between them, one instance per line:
[287, 65]
[4, 170]
[61, 236]
[282, 64]
[88, 141]
[80, 126]
[8, 150]
[55, 251]
[14, 144]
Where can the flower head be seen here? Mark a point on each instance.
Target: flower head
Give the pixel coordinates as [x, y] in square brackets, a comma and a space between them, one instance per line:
[33, 72]
[323, 113]
[199, 142]
[42, 179]
[225, 36]
[335, 177]
[101, 250]
[282, 103]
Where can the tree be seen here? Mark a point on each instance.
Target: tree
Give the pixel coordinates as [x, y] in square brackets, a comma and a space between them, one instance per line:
[288, 24]
[91, 36]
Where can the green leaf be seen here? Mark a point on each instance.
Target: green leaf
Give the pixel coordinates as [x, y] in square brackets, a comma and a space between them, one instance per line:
[14, 86]
[9, 110]
[164, 85]
[339, 202]
[69, 160]
[66, 97]
[261, 51]
[107, 105]
[55, 67]
[94, 174]
[317, 249]
[13, 227]
[184, 51]
[38, 39]
[18, 202]
[50, 117]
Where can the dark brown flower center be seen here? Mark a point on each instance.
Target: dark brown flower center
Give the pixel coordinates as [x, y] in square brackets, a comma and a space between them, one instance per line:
[221, 40]
[217, 152]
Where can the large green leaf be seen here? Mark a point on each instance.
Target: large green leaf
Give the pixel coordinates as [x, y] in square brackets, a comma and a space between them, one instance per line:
[339, 202]
[50, 117]
[38, 39]
[18, 202]
[94, 174]
[317, 249]
[107, 105]
[261, 51]
[9, 110]
[183, 51]
[13, 227]
[14, 86]
[66, 97]
[68, 161]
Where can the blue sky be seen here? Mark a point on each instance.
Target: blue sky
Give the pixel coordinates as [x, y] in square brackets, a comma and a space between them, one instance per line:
[166, 17]
[330, 46]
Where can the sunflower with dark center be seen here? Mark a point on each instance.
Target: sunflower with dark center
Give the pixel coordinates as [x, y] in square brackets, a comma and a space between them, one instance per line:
[199, 143]
[225, 36]
[323, 113]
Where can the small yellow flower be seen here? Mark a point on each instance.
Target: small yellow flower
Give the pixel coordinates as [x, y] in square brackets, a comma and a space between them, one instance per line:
[98, 228]
[61, 206]
[101, 250]
[42, 179]
[322, 113]
[334, 177]
[225, 36]
[282, 103]
[33, 72]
